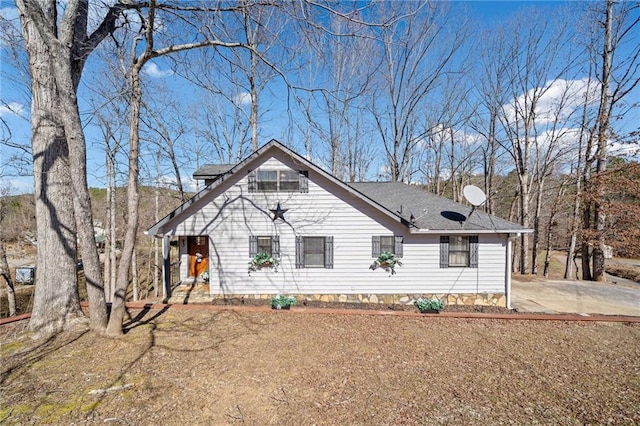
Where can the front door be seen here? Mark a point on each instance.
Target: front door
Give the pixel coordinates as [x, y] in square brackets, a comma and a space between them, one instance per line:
[198, 255]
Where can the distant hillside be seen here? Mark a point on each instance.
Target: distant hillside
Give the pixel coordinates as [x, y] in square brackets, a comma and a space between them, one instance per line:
[18, 220]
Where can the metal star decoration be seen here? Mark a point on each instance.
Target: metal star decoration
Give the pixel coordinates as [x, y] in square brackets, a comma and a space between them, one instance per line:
[278, 212]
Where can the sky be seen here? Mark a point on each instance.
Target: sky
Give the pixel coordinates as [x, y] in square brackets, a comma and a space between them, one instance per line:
[14, 108]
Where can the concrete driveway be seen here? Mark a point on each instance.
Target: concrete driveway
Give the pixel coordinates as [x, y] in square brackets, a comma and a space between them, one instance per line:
[578, 297]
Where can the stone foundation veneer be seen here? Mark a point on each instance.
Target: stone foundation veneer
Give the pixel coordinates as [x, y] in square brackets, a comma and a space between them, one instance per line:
[486, 299]
[472, 299]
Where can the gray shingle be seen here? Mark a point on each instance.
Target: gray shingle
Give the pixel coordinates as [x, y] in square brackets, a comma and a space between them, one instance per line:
[430, 211]
[211, 171]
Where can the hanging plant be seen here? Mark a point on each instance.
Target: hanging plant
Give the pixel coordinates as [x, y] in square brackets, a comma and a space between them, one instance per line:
[261, 261]
[386, 261]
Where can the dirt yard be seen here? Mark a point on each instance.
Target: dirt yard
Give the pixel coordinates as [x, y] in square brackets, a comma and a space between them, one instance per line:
[189, 367]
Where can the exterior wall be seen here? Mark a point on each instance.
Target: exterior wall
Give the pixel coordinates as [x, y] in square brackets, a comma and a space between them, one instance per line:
[232, 214]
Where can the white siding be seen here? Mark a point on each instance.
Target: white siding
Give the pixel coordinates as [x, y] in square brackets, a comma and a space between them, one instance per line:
[229, 217]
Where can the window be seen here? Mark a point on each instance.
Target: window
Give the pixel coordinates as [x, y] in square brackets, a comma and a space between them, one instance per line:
[288, 181]
[314, 252]
[390, 243]
[264, 244]
[265, 180]
[459, 251]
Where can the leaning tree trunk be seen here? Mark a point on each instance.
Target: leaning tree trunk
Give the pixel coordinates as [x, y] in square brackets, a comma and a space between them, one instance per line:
[56, 303]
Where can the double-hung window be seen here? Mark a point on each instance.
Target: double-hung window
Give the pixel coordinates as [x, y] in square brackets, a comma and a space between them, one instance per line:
[264, 244]
[459, 251]
[314, 252]
[386, 243]
[268, 180]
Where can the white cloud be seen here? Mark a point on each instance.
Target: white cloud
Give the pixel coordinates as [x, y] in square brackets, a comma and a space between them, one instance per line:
[557, 99]
[152, 70]
[12, 108]
[242, 98]
[625, 149]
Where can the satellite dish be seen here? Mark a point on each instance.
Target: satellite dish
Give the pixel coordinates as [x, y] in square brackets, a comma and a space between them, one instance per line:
[474, 195]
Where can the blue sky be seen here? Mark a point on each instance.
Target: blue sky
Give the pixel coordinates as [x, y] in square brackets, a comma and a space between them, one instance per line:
[14, 109]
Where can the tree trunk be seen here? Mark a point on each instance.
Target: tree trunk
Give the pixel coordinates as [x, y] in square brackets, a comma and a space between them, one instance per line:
[601, 154]
[156, 251]
[113, 237]
[585, 248]
[536, 227]
[135, 280]
[56, 304]
[573, 240]
[6, 274]
[81, 199]
[550, 225]
[114, 328]
[524, 221]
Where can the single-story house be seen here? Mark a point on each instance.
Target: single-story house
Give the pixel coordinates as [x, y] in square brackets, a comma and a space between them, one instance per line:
[322, 237]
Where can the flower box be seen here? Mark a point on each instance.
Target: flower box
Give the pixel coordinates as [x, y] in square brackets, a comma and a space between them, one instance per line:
[262, 261]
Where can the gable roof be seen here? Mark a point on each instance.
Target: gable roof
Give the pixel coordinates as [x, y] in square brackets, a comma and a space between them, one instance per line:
[212, 171]
[419, 210]
[430, 212]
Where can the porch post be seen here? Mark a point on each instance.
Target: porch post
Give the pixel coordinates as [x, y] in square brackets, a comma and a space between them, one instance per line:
[166, 268]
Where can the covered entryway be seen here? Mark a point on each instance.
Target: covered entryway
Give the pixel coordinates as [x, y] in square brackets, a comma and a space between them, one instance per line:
[198, 255]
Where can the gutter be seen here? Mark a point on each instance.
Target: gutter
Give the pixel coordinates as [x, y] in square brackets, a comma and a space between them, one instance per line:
[424, 231]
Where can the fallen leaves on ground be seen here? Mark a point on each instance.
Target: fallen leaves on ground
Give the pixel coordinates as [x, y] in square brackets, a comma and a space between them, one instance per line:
[235, 367]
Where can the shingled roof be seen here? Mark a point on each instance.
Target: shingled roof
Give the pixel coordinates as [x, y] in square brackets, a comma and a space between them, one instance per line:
[428, 211]
[212, 171]
[421, 211]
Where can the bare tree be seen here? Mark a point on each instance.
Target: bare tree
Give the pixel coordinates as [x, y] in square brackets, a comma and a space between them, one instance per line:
[417, 52]
[57, 53]
[617, 80]
[535, 67]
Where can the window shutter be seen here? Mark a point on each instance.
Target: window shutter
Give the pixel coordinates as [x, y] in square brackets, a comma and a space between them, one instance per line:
[253, 245]
[444, 251]
[473, 251]
[252, 180]
[398, 246]
[303, 179]
[375, 246]
[275, 246]
[328, 252]
[299, 252]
